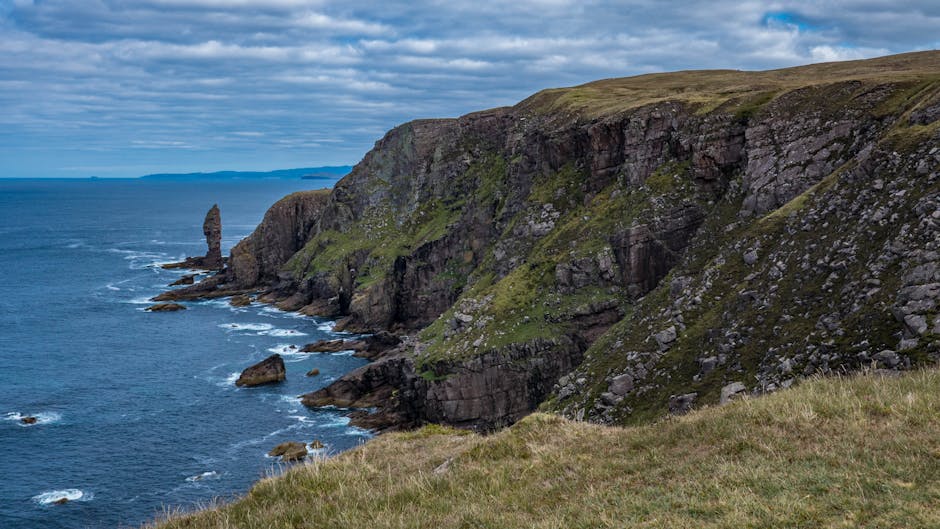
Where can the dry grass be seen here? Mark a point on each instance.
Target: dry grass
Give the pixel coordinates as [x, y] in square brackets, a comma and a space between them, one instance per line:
[710, 89]
[855, 452]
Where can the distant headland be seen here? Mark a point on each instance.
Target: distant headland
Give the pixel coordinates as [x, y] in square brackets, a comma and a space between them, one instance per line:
[306, 173]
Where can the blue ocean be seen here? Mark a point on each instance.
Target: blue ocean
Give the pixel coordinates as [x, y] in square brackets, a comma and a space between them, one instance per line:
[137, 412]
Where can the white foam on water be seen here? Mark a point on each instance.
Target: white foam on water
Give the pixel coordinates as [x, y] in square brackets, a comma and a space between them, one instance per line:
[109, 286]
[251, 327]
[282, 333]
[290, 353]
[228, 381]
[46, 417]
[53, 496]
[140, 300]
[326, 326]
[212, 474]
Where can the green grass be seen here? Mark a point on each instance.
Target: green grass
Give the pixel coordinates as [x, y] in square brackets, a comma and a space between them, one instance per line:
[843, 452]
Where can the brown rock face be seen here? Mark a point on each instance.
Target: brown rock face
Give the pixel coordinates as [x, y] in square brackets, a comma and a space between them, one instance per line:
[495, 389]
[267, 371]
[212, 228]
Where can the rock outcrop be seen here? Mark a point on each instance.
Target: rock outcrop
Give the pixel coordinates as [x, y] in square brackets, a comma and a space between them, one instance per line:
[268, 371]
[676, 232]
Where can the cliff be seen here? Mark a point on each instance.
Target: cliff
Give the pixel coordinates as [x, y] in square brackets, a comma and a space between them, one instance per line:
[626, 248]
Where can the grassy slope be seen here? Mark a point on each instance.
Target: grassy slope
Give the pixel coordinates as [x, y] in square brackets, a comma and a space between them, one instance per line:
[857, 452]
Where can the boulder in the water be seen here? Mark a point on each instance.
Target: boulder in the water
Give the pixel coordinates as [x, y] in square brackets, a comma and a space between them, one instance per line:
[240, 300]
[267, 371]
[29, 420]
[166, 307]
[289, 451]
[313, 372]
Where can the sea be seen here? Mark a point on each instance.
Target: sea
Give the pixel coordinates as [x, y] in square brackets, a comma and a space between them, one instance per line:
[138, 412]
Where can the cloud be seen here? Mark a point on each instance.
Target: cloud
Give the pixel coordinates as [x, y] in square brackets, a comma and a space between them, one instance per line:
[157, 85]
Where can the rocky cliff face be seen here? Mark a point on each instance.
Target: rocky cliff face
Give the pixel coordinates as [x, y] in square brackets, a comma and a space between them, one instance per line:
[648, 241]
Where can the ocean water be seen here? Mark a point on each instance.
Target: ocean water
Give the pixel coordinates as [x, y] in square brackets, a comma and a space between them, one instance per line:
[138, 412]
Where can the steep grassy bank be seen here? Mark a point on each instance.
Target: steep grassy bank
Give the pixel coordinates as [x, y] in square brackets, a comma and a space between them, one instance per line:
[835, 452]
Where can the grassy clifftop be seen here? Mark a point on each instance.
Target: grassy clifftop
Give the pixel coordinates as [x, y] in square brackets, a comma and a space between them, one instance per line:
[742, 90]
[844, 452]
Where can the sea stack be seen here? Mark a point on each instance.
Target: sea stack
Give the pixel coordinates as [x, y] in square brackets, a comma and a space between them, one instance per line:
[212, 228]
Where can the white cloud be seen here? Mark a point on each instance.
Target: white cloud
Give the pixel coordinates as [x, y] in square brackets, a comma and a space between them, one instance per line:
[149, 75]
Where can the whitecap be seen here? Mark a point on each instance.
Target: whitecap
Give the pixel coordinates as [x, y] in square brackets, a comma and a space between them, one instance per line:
[109, 286]
[282, 333]
[140, 300]
[290, 352]
[212, 474]
[256, 327]
[229, 380]
[41, 418]
[53, 496]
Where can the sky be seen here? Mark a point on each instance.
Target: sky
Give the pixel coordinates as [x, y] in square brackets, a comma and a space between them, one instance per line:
[121, 88]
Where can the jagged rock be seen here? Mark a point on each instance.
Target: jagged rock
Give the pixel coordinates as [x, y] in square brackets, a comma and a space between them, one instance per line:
[916, 323]
[621, 384]
[681, 404]
[166, 307]
[732, 391]
[316, 444]
[371, 346]
[240, 300]
[665, 337]
[187, 279]
[888, 358]
[708, 365]
[267, 371]
[289, 451]
[332, 346]
[750, 257]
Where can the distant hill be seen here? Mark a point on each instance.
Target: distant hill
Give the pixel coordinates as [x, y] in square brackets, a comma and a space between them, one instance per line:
[306, 173]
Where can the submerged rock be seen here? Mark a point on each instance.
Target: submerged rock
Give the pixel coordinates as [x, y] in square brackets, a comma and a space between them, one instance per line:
[267, 371]
[289, 451]
[166, 307]
[29, 420]
[313, 372]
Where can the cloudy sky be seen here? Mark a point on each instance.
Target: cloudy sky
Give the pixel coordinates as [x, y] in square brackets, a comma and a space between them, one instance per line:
[124, 87]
